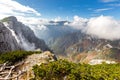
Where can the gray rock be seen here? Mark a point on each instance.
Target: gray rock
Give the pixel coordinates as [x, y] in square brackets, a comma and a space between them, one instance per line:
[7, 41]
[16, 36]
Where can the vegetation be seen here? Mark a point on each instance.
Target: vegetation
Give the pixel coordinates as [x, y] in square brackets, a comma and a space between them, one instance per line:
[114, 53]
[5, 19]
[64, 70]
[15, 56]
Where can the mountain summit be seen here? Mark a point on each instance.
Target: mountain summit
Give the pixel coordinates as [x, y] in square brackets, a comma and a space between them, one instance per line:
[19, 36]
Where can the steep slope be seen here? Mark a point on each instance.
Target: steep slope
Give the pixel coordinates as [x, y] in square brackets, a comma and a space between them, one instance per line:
[7, 41]
[22, 69]
[62, 43]
[95, 57]
[24, 35]
[78, 42]
[51, 30]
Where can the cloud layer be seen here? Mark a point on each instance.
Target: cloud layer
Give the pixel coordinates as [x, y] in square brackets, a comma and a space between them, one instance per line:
[104, 27]
[106, 1]
[13, 8]
[78, 22]
[102, 9]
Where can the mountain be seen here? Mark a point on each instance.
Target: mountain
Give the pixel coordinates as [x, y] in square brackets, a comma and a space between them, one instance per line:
[7, 41]
[81, 47]
[23, 35]
[52, 30]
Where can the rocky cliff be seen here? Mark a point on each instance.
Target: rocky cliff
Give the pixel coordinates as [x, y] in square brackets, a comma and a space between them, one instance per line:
[14, 34]
[7, 41]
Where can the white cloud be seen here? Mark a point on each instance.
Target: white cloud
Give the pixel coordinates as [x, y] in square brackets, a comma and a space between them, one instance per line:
[104, 27]
[41, 27]
[57, 19]
[13, 8]
[115, 5]
[78, 22]
[102, 9]
[106, 1]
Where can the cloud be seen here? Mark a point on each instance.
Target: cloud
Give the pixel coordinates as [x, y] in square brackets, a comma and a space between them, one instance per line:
[106, 1]
[78, 22]
[57, 19]
[13, 8]
[102, 9]
[103, 27]
[24, 14]
[25, 44]
[115, 5]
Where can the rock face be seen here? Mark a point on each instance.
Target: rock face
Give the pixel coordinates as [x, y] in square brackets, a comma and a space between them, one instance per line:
[7, 41]
[77, 42]
[23, 35]
[23, 70]
[51, 30]
[36, 59]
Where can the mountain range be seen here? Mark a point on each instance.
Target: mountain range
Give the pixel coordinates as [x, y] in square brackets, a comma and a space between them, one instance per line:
[17, 36]
[57, 37]
[70, 42]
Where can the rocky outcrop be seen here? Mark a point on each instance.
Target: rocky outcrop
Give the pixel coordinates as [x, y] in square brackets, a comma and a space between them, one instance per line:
[7, 41]
[22, 70]
[36, 59]
[24, 36]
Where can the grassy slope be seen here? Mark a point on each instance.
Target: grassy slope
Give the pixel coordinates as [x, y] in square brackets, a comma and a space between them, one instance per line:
[15, 56]
[62, 69]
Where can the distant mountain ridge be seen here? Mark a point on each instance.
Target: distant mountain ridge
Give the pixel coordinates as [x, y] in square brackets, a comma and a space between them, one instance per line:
[52, 30]
[81, 47]
[23, 35]
[78, 42]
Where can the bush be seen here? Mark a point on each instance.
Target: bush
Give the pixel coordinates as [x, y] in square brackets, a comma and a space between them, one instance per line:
[15, 56]
[5, 19]
[62, 69]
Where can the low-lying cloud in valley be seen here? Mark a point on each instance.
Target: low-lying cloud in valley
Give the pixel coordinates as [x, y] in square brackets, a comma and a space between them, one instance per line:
[104, 27]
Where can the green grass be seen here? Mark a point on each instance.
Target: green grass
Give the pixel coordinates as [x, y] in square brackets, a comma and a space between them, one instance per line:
[5, 19]
[61, 69]
[15, 56]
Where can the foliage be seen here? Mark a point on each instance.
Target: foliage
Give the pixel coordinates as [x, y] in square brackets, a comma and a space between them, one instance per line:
[5, 19]
[114, 53]
[15, 56]
[64, 70]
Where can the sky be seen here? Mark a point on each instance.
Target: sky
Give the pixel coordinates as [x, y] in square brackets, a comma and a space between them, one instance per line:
[61, 9]
[100, 18]
[69, 8]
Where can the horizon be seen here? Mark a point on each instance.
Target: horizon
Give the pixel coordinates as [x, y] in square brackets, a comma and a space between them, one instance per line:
[59, 10]
[37, 15]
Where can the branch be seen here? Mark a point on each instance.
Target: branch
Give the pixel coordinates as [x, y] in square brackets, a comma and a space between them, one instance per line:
[9, 72]
[4, 71]
[3, 67]
[20, 73]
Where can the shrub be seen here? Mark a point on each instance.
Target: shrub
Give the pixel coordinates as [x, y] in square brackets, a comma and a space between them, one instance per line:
[15, 56]
[62, 69]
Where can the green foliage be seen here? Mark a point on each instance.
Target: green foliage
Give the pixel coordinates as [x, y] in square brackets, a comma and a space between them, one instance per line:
[15, 56]
[114, 53]
[4, 20]
[64, 70]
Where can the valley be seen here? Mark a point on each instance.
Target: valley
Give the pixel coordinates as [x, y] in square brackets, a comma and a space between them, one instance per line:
[33, 49]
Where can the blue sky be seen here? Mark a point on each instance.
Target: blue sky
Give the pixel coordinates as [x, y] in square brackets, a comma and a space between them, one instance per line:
[99, 17]
[70, 8]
